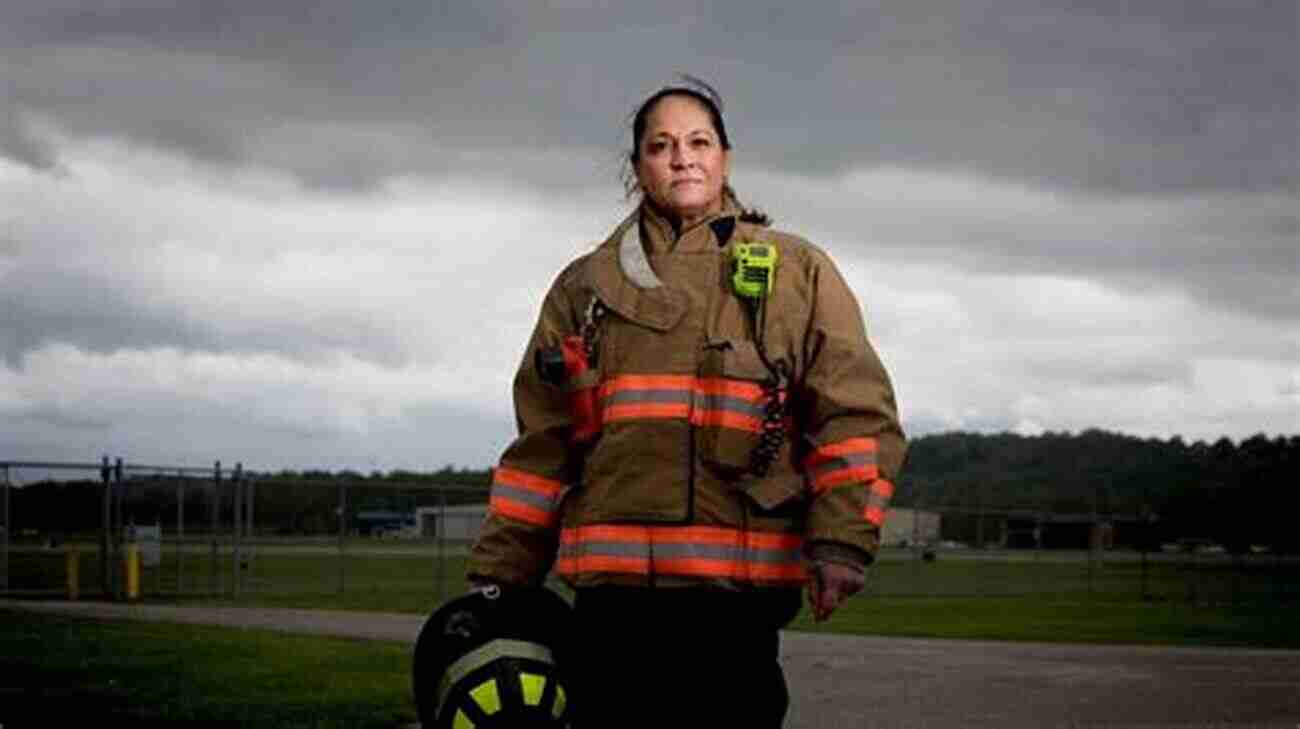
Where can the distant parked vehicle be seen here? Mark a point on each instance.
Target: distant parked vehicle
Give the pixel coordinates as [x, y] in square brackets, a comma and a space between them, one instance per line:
[405, 531]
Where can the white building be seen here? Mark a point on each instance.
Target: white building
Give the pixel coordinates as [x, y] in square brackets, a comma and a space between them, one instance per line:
[453, 523]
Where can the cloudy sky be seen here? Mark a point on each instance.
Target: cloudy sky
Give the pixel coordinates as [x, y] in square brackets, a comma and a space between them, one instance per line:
[315, 234]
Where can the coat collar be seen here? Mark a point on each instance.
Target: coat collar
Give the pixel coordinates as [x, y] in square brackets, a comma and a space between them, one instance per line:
[621, 274]
[660, 237]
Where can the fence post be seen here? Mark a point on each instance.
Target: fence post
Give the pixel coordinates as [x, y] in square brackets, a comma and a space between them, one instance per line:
[105, 563]
[441, 526]
[72, 567]
[237, 523]
[119, 494]
[343, 510]
[180, 533]
[1145, 525]
[250, 500]
[214, 580]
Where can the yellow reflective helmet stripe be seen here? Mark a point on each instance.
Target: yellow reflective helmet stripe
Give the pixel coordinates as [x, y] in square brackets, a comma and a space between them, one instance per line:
[483, 655]
[487, 697]
[533, 686]
[461, 721]
[558, 709]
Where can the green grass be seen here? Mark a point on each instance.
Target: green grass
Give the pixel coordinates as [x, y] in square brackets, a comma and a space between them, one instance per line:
[1192, 600]
[1170, 623]
[55, 671]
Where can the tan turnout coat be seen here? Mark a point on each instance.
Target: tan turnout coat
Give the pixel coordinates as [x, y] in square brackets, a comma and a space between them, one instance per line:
[658, 497]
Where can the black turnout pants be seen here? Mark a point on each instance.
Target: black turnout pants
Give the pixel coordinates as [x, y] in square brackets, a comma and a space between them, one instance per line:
[679, 658]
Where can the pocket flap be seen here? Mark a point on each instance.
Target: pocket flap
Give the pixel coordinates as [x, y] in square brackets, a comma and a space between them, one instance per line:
[773, 491]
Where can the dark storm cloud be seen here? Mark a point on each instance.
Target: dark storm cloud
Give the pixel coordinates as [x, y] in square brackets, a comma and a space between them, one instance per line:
[104, 311]
[19, 144]
[1153, 97]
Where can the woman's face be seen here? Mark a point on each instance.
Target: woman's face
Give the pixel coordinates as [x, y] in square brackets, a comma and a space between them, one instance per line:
[682, 164]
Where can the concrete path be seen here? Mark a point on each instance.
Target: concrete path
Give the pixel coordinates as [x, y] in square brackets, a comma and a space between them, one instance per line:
[848, 681]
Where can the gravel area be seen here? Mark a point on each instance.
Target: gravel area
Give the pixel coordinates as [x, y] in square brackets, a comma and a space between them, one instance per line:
[904, 683]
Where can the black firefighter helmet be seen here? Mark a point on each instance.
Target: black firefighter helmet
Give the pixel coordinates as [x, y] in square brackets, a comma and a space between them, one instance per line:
[489, 660]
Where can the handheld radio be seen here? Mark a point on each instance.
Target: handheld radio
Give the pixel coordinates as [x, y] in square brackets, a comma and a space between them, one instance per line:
[754, 269]
[754, 266]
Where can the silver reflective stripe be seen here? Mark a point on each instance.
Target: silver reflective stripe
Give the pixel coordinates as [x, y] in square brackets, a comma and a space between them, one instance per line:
[726, 553]
[732, 404]
[607, 549]
[835, 464]
[524, 496]
[484, 655]
[632, 259]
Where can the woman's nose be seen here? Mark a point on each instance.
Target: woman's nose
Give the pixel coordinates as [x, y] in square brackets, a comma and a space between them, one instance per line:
[679, 158]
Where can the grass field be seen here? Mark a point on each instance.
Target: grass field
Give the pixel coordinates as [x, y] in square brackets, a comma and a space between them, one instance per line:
[1191, 600]
[58, 671]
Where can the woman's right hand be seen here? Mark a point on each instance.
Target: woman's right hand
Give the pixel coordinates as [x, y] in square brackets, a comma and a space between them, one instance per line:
[831, 585]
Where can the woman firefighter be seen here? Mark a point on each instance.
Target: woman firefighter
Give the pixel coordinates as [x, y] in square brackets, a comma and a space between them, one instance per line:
[704, 432]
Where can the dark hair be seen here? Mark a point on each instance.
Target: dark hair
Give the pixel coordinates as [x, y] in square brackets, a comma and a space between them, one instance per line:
[707, 97]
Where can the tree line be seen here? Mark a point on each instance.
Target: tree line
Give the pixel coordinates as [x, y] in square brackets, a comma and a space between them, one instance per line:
[1237, 494]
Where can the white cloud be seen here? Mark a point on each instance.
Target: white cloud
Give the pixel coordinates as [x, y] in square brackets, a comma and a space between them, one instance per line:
[171, 309]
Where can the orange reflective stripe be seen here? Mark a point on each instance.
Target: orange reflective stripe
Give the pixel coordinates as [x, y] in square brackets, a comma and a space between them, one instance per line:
[526, 480]
[877, 499]
[794, 572]
[697, 535]
[571, 566]
[848, 461]
[852, 446]
[522, 512]
[853, 474]
[727, 419]
[646, 382]
[769, 540]
[711, 402]
[696, 551]
[525, 496]
[630, 411]
[729, 388]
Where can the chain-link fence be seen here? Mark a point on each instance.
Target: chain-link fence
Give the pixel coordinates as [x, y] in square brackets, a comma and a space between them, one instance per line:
[124, 530]
[383, 543]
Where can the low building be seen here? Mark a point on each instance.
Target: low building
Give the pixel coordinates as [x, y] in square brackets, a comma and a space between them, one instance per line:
[453, 523]
[906, 527]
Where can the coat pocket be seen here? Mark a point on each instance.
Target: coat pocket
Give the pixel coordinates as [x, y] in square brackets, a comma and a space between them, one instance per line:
[730, 403]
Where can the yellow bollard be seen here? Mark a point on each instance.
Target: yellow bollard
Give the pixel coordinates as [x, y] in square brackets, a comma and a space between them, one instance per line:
[74, 573]
[132, 572]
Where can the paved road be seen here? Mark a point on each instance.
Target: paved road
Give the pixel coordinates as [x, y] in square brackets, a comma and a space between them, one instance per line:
[844, 682]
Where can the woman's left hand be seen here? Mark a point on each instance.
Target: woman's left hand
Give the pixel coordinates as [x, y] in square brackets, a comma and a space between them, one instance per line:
[831, 585]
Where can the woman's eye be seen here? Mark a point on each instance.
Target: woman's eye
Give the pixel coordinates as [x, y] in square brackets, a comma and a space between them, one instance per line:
[655, 147]
[700, 142]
